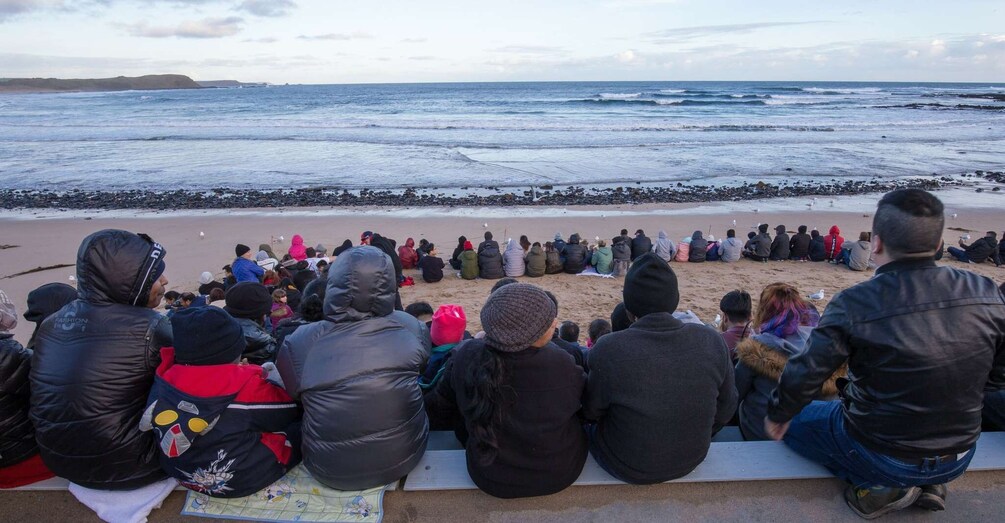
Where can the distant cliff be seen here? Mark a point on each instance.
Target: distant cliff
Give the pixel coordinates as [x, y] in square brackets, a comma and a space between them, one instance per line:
[119, 83]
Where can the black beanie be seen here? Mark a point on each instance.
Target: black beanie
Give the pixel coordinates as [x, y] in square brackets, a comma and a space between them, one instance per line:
[650, 286]
[241, 249]
[249, 300]
[206, 336]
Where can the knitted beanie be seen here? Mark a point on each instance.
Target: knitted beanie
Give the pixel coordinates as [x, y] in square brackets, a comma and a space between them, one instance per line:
[205, 277]
[448, 325]
[516, 316]
[249, 300]
[241, 249]
[468, 246]
[650, 286]
[206, 336]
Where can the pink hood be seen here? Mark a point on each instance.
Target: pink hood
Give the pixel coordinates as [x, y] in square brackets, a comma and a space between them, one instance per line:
[297, 250]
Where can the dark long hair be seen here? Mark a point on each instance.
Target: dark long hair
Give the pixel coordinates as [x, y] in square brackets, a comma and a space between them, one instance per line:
[483, 383]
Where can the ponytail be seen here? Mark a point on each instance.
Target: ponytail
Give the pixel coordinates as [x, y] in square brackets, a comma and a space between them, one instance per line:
[483, 383]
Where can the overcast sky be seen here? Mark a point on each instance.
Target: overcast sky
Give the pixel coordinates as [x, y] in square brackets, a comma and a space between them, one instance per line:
[335, 41]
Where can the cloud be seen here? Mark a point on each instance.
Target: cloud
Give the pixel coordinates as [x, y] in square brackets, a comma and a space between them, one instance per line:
[423, 58]
[528, 49]
[205, 28]
[338, 37]
[414, 40]
[679, 34]
[263, 40]
[267, 8]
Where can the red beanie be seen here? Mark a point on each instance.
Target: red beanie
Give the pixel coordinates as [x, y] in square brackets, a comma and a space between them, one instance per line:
[448, 325]
[468, 246]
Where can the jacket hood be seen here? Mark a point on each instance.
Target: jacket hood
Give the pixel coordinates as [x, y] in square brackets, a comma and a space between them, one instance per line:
[536, 250]
[767, 355]
[361, 285]
[662, 235]
[605, 249]
[116, 266]
[780, 229]
[574, 238]
[268, 250]
[513, 245]
[409, 243]
[297, 240]
[696, 236]
[834, 230]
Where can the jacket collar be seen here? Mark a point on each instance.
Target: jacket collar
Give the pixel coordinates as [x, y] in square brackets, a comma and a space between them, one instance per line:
[657, 321]
[907, 264]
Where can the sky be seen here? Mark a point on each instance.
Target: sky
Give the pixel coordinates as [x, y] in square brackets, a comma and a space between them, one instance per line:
[336, 41]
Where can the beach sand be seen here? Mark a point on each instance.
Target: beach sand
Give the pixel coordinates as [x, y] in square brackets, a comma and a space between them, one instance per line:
[48, 238]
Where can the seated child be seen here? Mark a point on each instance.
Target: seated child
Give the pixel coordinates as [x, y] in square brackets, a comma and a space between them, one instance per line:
[280, 310]
[223, 429]
[431, 265]
[445, 332]
[598, 328]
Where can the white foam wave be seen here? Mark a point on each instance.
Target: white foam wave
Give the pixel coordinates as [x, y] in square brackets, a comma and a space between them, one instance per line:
[619, 96]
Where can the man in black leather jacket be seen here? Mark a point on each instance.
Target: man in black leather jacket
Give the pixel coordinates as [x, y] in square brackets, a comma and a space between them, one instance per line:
[94, 364]
[921, 342]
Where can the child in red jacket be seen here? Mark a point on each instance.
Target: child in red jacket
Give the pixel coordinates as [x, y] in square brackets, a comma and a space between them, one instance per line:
[223, 429]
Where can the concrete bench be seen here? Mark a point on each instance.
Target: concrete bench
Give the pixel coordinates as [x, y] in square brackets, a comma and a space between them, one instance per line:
[726, 461]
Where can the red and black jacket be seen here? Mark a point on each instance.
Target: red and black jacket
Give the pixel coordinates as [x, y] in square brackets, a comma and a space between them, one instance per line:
[222, 430]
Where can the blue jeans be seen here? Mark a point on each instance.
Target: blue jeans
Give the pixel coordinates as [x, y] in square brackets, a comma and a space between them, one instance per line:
[818, 433]
[845, 258]
[994, 409]
[959, 254]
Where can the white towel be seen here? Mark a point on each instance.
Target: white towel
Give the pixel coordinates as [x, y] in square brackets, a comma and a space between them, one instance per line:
[124, 506]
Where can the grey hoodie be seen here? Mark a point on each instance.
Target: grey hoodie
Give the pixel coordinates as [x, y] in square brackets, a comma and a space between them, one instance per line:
[513, 259]
[730, 250]
[664, 248]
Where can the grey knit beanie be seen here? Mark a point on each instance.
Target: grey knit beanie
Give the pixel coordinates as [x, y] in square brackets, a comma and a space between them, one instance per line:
[516, 316]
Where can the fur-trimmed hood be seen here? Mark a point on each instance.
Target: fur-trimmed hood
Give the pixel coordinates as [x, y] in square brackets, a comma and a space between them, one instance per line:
[770, 361]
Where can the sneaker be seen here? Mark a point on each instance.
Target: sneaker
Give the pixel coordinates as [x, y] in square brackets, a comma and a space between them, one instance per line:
[871, 503]
[933, 497]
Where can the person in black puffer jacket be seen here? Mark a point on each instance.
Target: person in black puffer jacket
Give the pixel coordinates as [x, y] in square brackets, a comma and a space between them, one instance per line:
[490, 261]
[699, 248]
[94, 364]
[357, 375]
[799, 245]
[575, 256]
[641, 244]
[817, 249]
[17, 436]
[44, 302]
[248, 302]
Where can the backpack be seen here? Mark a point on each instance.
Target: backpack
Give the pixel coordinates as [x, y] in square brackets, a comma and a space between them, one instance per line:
[712, 254]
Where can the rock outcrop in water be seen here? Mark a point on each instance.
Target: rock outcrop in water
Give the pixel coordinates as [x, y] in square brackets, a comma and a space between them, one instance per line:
[119, 83]
[543, 196]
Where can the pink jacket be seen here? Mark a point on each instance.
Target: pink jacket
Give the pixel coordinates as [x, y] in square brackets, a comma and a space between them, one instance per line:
[297, 249]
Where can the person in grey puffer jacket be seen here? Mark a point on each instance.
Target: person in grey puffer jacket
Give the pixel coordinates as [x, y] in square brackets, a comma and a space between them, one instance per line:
[699, 248]
[664, 247]
[759, 247]
[513, 259]
[357, 375]
[730, 249]
[94, 364]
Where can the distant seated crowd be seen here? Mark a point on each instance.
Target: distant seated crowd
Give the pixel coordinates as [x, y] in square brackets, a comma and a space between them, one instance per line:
[312, 359]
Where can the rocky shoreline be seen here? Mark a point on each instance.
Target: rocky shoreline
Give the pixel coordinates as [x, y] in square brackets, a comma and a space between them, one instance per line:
[541, 196]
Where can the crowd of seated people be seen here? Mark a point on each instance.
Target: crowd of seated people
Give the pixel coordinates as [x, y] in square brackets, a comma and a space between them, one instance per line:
[329, 370]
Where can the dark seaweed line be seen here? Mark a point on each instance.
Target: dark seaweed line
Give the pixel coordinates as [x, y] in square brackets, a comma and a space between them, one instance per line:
[545, 196]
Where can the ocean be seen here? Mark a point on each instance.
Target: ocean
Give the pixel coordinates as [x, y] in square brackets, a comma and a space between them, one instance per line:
[470, 135]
